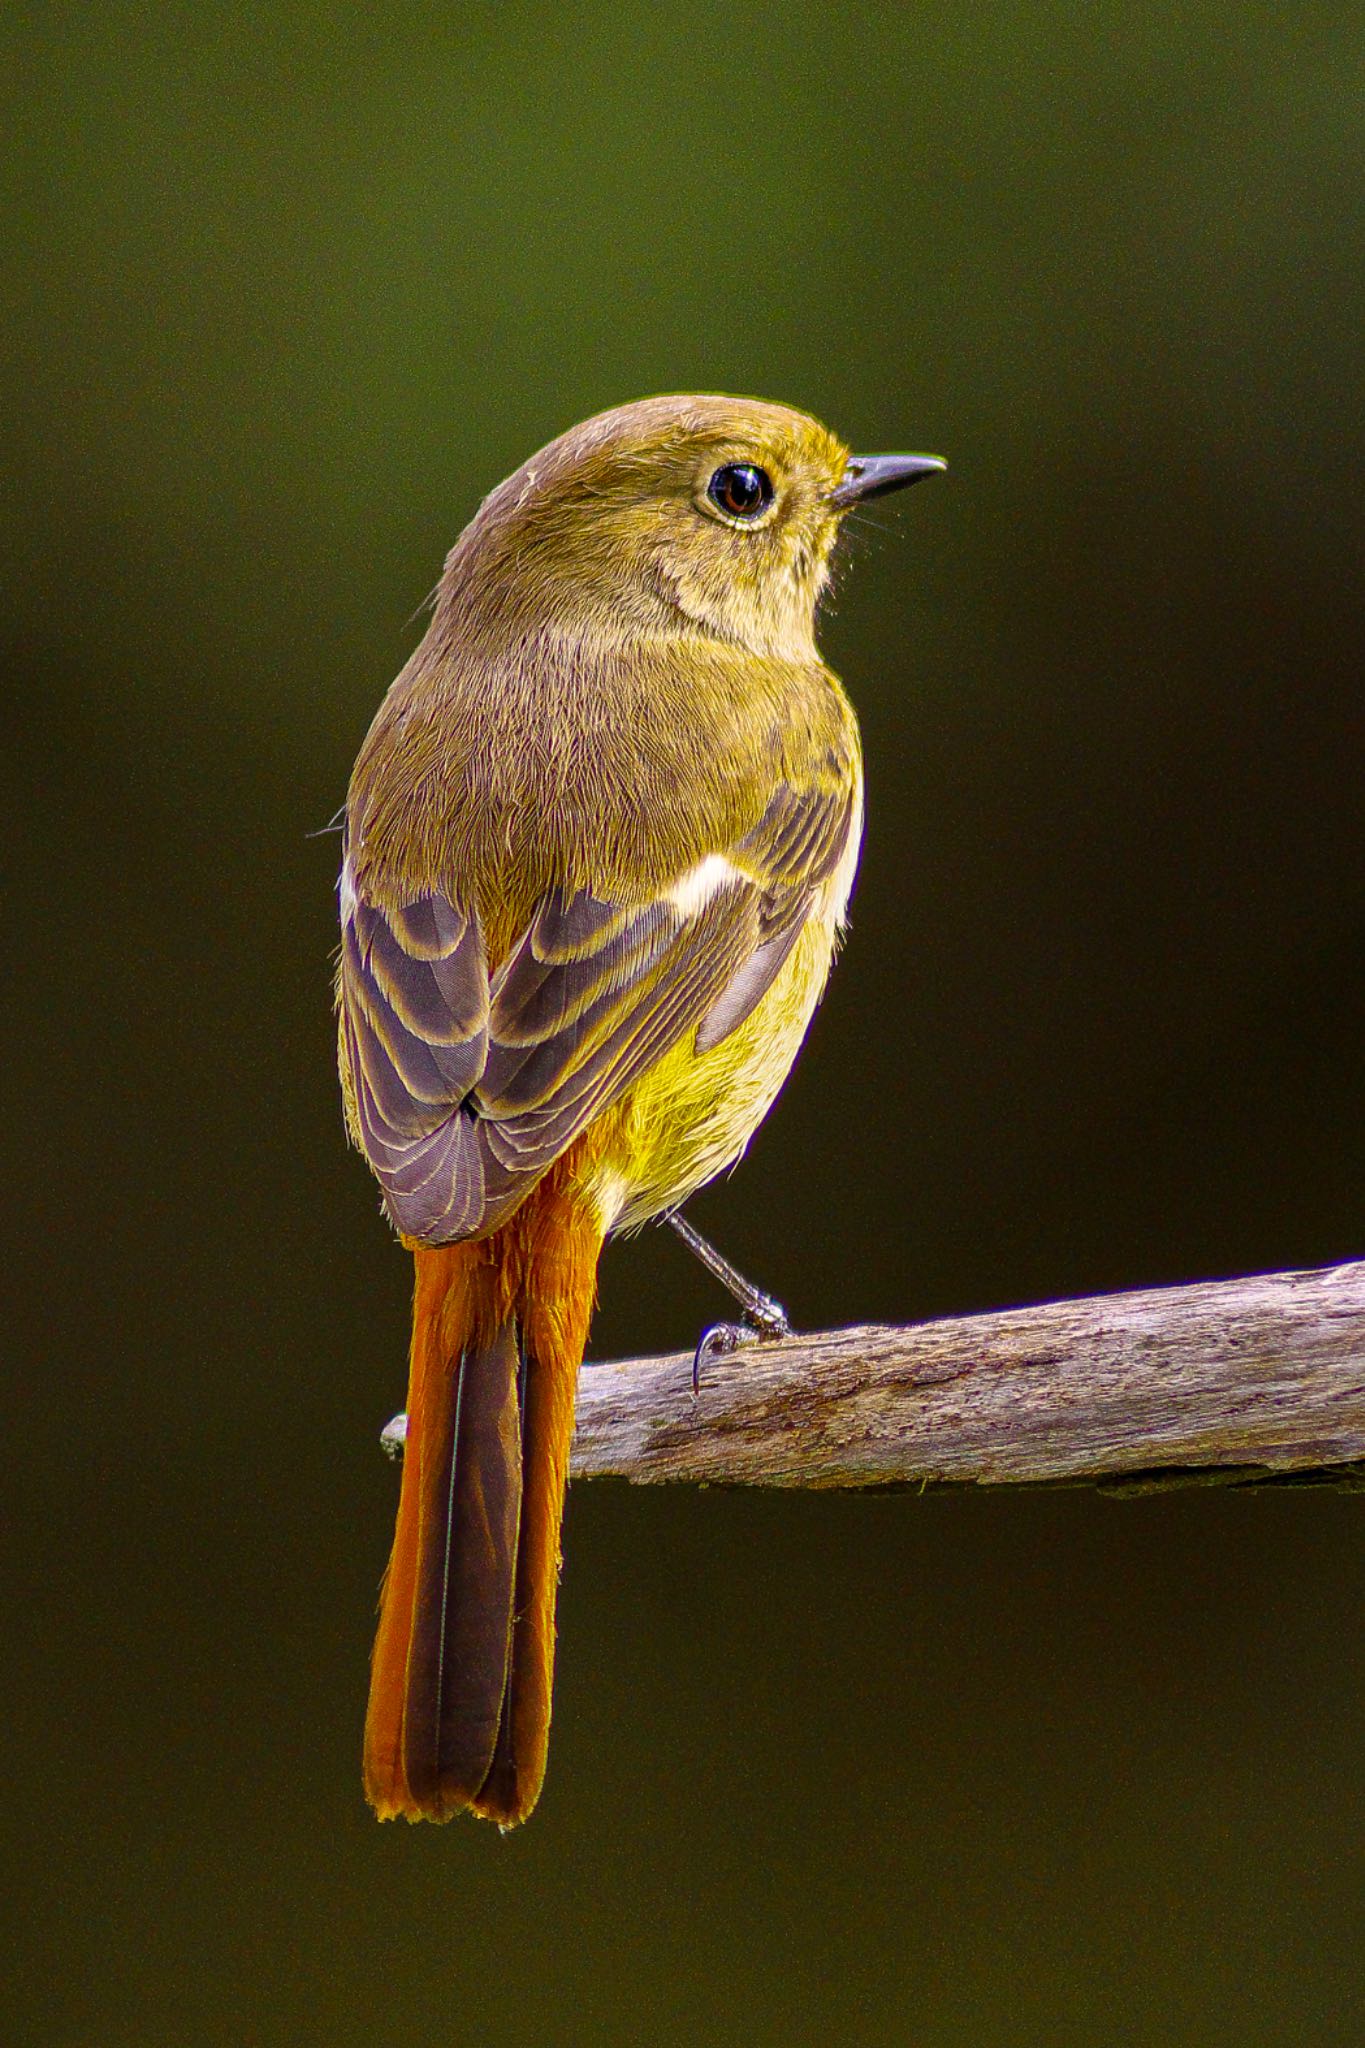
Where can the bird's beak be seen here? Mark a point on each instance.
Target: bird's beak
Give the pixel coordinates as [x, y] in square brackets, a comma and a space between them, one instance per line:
[868, 476]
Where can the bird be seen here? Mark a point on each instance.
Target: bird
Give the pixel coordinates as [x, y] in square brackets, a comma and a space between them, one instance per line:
[598, 847]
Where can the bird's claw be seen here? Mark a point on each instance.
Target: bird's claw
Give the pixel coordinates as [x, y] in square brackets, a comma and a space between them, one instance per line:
[764, 1321]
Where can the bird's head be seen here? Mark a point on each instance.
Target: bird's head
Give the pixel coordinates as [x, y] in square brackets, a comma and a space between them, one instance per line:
[694, 515]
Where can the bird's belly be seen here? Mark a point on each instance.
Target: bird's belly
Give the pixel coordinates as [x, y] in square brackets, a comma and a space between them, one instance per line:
[691, 1116]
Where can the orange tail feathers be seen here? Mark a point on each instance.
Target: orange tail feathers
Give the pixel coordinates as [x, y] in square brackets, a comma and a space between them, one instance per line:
[460, 1689]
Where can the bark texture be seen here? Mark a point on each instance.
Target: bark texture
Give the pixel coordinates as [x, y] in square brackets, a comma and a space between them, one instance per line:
[1229, 1380]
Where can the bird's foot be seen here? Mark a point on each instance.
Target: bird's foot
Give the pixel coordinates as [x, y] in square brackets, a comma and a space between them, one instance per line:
[765, 1320]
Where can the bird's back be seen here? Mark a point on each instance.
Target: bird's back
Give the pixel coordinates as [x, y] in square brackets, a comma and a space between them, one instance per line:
[612, 768]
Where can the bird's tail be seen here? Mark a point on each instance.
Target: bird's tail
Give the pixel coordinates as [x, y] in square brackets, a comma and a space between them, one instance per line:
[459, 1714]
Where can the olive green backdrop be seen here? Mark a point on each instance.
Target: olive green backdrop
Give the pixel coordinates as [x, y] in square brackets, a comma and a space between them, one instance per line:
[292, 287]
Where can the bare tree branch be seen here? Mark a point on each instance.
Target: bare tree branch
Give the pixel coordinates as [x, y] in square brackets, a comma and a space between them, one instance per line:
[1233, 1379]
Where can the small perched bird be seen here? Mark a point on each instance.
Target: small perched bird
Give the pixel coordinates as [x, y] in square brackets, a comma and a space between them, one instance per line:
[598, 847]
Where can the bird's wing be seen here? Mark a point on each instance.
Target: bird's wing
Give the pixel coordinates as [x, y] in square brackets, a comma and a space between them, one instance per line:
[467, 1087]
[413, 1000]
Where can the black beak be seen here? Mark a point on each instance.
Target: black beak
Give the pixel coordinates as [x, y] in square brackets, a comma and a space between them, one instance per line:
[868, 476]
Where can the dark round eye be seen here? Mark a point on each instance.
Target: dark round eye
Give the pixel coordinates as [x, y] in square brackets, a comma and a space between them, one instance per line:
[741, 490]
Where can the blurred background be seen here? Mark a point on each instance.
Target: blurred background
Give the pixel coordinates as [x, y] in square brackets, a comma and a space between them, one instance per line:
[289, 289]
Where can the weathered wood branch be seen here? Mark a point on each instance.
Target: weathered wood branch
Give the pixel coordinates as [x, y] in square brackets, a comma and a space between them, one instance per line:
[1233, 1379]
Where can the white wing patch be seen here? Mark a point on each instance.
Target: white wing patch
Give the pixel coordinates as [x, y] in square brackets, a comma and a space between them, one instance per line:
[693, 891]
[346, 891]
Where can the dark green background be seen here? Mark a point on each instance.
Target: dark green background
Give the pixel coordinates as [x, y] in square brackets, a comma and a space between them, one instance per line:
[292, 288]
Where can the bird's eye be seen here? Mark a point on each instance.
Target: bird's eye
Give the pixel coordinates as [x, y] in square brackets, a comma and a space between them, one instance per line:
[741, 490]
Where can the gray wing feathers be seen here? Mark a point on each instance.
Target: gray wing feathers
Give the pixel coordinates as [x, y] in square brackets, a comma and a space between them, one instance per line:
[797, 845]
[414, 1012]
[749, 986]
[465, 1093]
[466, 1089]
